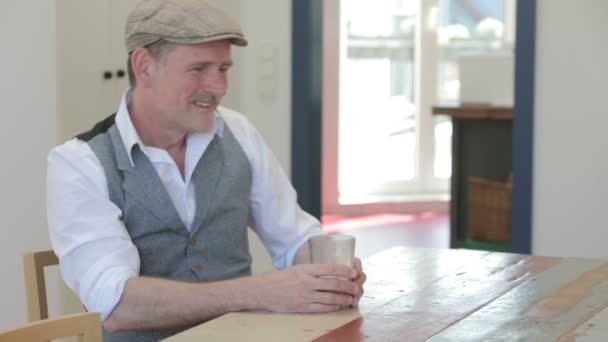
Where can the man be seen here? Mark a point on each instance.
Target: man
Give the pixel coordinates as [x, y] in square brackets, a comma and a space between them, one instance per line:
[148, 210]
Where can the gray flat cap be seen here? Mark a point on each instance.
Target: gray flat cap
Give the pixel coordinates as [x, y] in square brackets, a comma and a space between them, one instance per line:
[181, 22]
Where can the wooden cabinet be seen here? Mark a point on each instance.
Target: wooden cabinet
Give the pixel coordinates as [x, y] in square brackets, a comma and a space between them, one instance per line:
[481, 147]
[90, 55]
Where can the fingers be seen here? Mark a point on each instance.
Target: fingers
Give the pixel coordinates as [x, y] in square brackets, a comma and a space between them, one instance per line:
[361, 278]
[358, 266]
[338, 286]
[331, 270]
[332, 298]
[338, 278]
[320, 308]
[336, 291]
[359, 283]
[314, 288]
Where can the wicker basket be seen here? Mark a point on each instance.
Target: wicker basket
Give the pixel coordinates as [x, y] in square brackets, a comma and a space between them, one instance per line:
[489, 210]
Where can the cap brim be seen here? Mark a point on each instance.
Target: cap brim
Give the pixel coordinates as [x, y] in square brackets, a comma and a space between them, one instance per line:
[234, 39]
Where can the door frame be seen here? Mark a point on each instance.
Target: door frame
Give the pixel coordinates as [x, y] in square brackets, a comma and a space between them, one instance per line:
[307, 71]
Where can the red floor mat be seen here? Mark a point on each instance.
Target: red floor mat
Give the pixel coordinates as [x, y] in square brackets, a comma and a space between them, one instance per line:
[337, 223]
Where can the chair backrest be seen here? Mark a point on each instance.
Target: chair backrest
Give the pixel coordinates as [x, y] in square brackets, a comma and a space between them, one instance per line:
[87, 326]
[33, 267]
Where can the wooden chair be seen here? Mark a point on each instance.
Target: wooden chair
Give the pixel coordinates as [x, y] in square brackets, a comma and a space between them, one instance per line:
[33, 267]
[87, 326]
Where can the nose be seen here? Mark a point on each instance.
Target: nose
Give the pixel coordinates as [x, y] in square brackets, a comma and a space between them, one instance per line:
[216, 82]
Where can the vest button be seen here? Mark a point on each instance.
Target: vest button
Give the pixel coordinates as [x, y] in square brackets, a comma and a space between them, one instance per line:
[193, 242]
[197, 268]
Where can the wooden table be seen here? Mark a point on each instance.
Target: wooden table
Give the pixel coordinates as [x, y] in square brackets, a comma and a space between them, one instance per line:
[415, 294]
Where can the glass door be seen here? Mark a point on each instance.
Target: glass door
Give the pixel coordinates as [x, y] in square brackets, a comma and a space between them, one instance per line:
[386, 63]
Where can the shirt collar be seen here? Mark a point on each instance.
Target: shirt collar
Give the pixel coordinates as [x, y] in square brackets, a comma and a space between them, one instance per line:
[129, 135]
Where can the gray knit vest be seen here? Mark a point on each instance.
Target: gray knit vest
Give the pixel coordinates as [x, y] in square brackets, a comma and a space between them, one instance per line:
[216, 249]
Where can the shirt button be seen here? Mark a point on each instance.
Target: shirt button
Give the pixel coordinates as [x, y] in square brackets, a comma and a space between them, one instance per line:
[193, 242]
[197, 268]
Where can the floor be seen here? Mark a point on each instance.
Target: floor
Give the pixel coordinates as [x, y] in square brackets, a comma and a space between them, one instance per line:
[377, 232]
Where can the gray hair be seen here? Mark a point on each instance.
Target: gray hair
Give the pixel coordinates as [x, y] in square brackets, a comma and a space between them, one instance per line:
[158, 50]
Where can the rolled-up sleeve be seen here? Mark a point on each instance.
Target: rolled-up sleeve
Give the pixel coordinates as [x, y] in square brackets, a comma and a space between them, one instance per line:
[95, 251]
[275, 215]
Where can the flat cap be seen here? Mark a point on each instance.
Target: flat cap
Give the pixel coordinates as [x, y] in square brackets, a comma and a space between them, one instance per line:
[180, 22]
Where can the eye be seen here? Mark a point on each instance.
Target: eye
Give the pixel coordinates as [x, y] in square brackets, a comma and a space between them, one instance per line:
[225, 67]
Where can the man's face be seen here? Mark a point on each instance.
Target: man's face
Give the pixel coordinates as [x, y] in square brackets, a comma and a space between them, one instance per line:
[188, 84]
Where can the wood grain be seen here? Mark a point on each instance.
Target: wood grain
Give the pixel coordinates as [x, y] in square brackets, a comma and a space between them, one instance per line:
[85, 326]
[595, 329]
[428, 310]
[417, 294]
[548, 306]
[35, 286]
[391, 274]
[475, 111]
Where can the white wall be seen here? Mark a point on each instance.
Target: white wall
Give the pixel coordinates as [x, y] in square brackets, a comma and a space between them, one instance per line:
[570, 215]
[267, 26]
[260, 82]
[265, 90]
[27, 94]
[264, 85]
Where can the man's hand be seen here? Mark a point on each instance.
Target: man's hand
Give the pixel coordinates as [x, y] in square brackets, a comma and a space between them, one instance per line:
[359, 280]
[152, 303]
[312, 288]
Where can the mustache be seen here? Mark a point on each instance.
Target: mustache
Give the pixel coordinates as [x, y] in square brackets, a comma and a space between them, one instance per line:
[206, 97]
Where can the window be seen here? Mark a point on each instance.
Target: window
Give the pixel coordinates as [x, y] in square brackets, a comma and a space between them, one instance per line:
[394, 61]
[378, 128]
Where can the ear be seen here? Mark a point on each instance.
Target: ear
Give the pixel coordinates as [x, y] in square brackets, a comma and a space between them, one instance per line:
[143, 66]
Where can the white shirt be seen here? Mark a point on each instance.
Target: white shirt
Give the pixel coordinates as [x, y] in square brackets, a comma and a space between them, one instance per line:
[95, 250]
